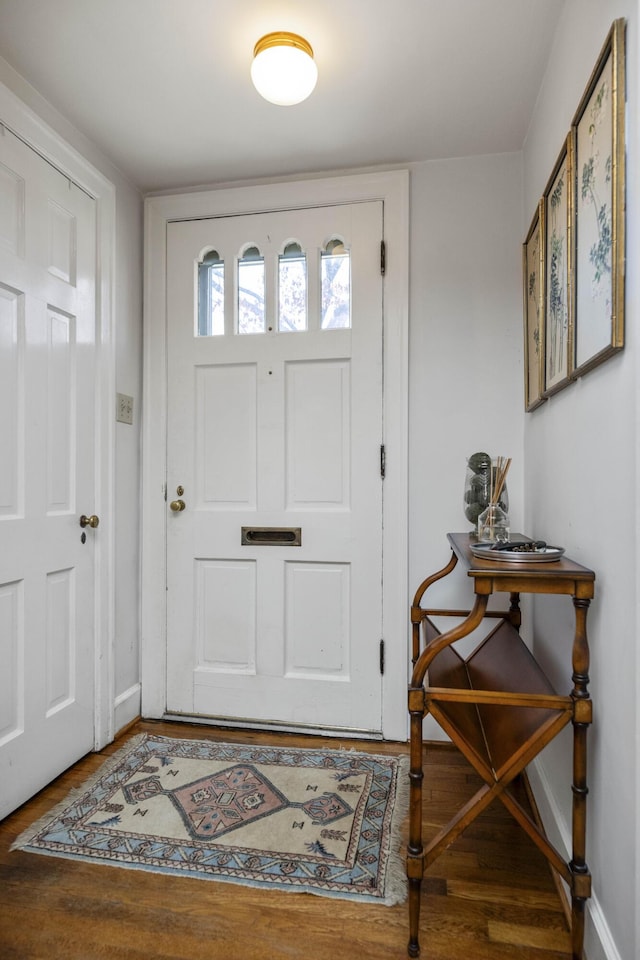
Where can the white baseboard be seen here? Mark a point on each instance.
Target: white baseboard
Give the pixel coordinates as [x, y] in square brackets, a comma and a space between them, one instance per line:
[127, 706]
[599, 943]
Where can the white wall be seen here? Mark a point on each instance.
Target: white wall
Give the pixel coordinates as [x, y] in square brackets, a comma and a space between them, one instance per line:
[580, 455]
[465, 343]
[129, 270]
[128, 360]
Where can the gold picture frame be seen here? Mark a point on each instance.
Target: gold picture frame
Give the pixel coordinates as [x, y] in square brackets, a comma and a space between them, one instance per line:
[557, 207]
[598, 145]
[533, 299]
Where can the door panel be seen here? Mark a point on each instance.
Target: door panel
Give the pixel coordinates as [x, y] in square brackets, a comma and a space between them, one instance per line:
[277, 429]
[318, 418]
[223, 481]
[47, 378]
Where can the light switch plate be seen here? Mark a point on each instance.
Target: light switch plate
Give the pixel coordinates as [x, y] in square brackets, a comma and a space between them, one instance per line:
[124, 408]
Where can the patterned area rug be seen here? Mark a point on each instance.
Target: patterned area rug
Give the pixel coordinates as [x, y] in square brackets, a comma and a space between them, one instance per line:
[317, 821]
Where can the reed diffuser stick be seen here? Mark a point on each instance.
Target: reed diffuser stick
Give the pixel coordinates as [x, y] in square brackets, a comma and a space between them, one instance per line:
[498, 479]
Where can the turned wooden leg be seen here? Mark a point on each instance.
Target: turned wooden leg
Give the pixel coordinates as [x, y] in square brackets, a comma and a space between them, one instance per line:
[580, 876]
[413, 948]
[415, 850]
[577, 928]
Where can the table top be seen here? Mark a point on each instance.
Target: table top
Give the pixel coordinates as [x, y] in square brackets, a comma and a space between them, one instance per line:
[557, 576]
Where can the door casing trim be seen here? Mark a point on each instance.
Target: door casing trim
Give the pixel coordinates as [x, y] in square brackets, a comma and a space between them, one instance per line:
[29, 127]
[392, 187]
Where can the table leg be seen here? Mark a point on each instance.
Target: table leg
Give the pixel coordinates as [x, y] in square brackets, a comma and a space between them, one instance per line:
[415, 849]
[580, 876]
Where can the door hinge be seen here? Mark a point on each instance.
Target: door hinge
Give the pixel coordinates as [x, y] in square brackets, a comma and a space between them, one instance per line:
[383, 257]
[382, 658]
[383, 461]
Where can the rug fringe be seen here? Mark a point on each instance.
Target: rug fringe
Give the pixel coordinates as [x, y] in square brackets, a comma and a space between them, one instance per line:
[396, 887]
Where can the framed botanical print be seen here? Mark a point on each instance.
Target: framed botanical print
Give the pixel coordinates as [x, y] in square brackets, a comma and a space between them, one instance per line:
[558, 313]
[533, 300]
[599, 149]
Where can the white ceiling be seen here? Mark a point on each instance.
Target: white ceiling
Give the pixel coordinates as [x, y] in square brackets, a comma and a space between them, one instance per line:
[163, 87]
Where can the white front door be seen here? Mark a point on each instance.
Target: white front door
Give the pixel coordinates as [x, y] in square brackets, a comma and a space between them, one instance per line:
[274, 563]
[47, 466]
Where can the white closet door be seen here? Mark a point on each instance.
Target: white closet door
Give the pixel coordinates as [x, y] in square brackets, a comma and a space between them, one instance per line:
[47, 467]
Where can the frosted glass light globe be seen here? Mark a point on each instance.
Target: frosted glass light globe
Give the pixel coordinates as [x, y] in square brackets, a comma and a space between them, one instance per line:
[283, 69]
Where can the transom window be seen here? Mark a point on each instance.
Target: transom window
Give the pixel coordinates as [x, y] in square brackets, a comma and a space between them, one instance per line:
[251, 311]
[292, 289]
[336, 286]
[211, 295]
[290, 295]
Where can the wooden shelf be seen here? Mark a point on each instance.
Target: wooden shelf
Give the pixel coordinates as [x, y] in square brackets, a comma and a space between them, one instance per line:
[499, 708]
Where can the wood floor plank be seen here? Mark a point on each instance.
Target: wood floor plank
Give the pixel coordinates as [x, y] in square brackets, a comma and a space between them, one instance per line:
[522, 935]
[489, 896]
[493, 892]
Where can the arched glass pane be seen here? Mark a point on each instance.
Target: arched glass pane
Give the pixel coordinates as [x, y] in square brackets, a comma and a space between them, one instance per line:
[335, 279]
[211, 296]
[292, 289]
[251, 309]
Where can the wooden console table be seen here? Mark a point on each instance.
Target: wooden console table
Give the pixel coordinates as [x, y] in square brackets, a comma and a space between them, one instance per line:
[499, 709]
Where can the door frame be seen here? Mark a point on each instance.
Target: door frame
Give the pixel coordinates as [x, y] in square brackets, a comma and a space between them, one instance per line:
[392, 188]
[17, 117]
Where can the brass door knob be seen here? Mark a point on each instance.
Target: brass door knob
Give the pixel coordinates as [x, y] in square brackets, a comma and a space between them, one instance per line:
[91, 521]
[177, 505]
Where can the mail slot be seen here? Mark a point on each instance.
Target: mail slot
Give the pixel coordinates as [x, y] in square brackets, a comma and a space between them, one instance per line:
[272, 536]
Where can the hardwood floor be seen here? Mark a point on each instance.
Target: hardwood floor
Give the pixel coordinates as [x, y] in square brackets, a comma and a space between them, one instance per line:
[488, 897]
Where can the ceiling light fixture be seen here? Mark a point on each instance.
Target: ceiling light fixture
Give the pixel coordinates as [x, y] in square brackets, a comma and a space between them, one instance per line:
[283, 69]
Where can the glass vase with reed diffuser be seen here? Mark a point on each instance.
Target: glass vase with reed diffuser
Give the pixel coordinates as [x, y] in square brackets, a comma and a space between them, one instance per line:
[493, 522]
